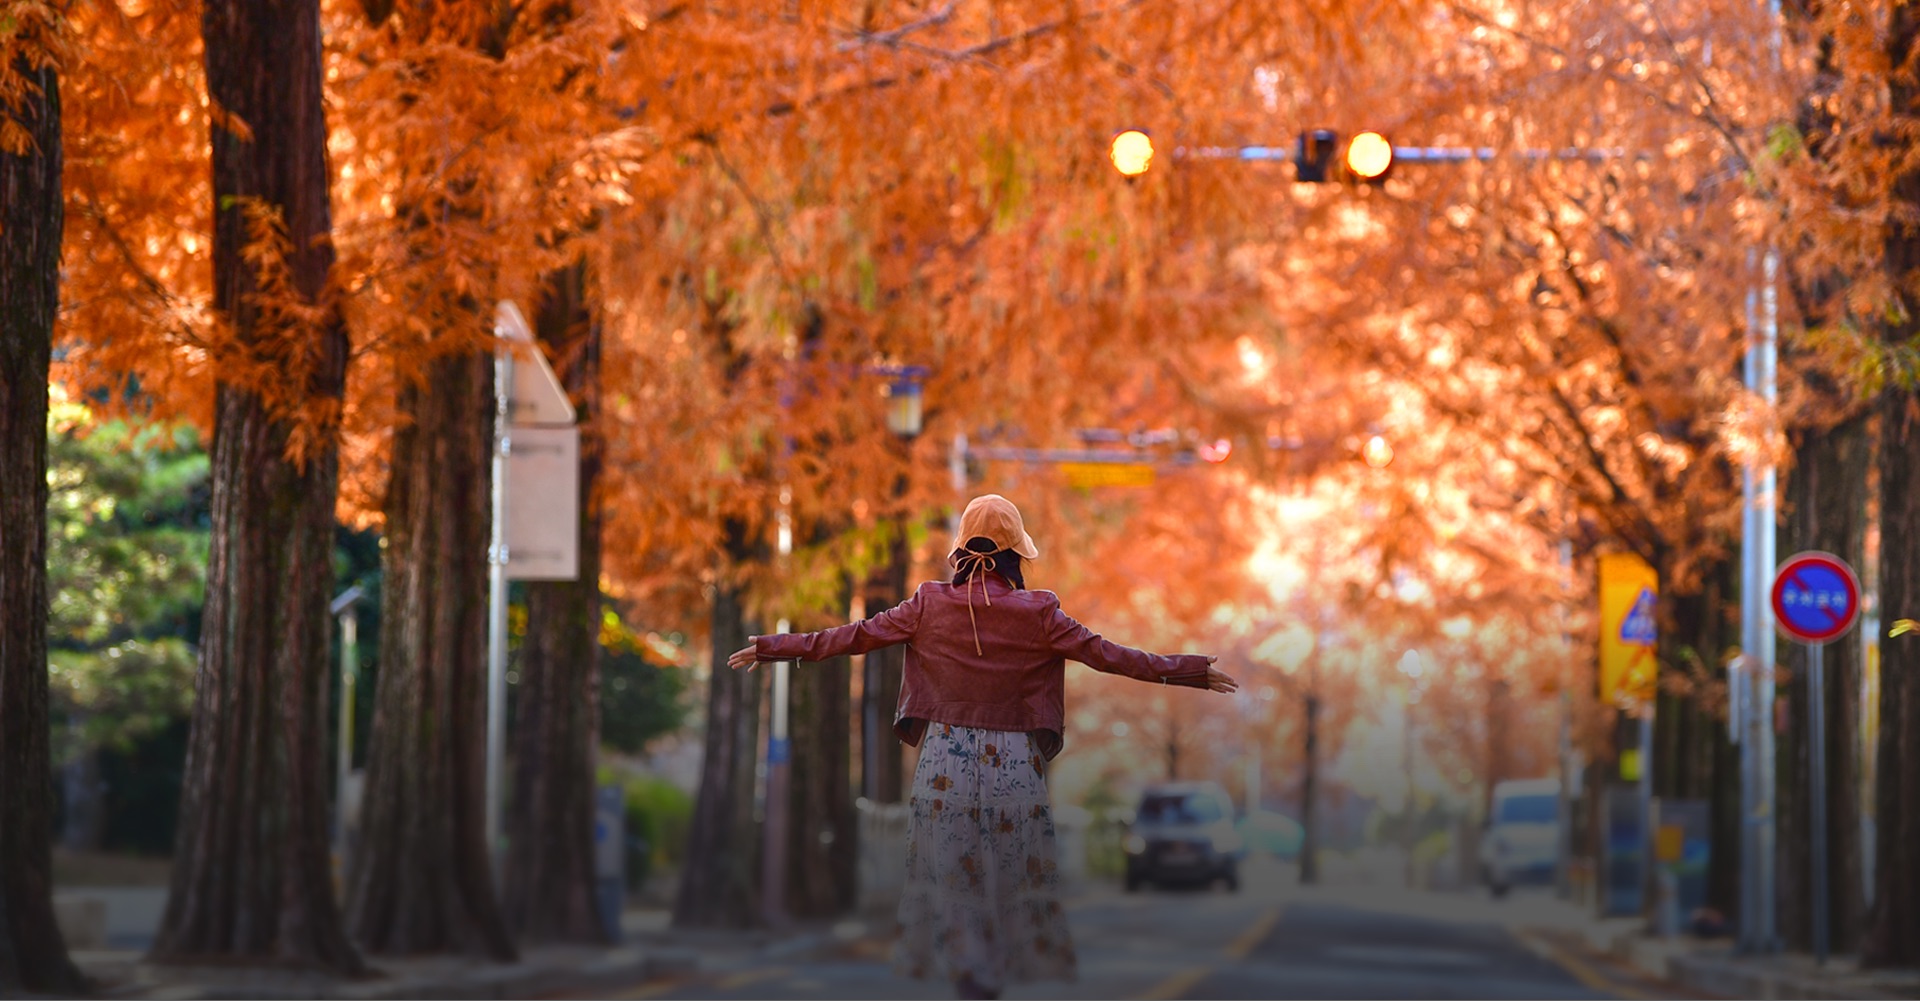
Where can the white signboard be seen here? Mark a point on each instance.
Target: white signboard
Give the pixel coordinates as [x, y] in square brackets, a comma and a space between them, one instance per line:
[543, 503]
[536, 396]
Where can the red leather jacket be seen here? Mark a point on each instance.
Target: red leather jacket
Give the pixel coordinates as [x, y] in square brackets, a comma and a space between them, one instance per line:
[997, 662]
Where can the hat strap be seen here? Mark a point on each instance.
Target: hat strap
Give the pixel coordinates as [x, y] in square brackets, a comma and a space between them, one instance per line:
[974, 564]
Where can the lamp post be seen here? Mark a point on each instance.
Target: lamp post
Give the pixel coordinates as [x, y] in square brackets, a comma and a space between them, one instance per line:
[881, 777]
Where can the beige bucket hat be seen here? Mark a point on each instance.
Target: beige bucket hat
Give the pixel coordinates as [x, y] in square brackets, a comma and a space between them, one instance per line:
[995, 518]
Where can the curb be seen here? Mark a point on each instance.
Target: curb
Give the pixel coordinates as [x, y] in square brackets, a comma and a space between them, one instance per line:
[618, 967]
[1715, 970]
[1732, 978]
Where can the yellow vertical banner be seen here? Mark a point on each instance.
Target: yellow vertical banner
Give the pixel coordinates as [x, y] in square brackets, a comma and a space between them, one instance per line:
[1629, 591]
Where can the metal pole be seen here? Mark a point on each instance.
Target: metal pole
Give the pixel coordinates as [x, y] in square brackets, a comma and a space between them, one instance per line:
[1410, 836]
[497, 608]
[1309, 845]
[349, 679]
[1563, 812]
[1767, 545]
[1817, 735]
[957, 467]
[779, 753]
[1649, 882]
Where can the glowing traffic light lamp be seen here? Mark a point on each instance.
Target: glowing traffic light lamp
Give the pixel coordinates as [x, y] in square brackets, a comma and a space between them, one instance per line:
[1314, 155]
[1132, 152]
[1369, 156]
[1377, 452]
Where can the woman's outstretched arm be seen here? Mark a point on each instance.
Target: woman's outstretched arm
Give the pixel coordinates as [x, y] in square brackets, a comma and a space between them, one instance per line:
[1074, 641]
[895, 625]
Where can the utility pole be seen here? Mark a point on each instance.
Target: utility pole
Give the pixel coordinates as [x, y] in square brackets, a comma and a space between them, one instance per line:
[1309, 811]
[1755, 698]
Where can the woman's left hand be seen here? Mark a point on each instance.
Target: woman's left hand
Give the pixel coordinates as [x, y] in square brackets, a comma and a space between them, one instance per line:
[1218, 680]
[743, 657]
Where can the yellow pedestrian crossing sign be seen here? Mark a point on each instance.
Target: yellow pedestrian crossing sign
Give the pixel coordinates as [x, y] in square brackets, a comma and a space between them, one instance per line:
[1629, 597]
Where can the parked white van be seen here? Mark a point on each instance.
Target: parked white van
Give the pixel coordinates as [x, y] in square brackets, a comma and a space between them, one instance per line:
[1521, 842]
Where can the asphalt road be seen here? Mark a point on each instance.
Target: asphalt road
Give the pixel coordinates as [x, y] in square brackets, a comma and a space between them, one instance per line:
[1271, 940]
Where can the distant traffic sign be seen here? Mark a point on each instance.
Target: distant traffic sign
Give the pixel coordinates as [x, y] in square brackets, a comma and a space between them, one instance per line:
[1638, 627]
[1816, 597]
[1086, 475]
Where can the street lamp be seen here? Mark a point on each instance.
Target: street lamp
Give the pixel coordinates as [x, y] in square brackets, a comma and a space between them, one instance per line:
[904, 394]
[881, 778]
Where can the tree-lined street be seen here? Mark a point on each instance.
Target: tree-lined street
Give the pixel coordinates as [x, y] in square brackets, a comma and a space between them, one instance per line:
[406, 407]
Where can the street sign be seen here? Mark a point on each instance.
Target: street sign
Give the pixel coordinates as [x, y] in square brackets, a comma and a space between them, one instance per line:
[543, 491]
[1108, 474]
[536, 396]
[1629, 593]
[1638, 627]
[1816, 597]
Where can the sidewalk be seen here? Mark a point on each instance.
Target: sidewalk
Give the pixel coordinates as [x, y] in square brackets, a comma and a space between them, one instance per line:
[1712, 967]
[649, 950]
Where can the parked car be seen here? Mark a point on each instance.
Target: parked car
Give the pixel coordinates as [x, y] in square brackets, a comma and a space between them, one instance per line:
[1183, 832]
[1275, 834]
[1521, 842]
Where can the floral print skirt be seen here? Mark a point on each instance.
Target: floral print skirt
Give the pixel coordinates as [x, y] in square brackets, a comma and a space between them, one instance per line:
[982, 894]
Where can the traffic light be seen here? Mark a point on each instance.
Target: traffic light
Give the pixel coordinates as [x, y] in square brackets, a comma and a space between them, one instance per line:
[1314, 154]
[1131, 152]
[1367, 157]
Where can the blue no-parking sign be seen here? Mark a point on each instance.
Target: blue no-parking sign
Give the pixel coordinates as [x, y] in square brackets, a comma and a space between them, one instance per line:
[1816, 597]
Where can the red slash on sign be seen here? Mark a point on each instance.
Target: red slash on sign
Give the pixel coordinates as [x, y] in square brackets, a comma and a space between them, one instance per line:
[1816, 597]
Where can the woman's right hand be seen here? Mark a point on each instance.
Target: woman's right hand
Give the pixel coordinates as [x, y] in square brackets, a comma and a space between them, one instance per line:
[1220, 681]
[745, 656]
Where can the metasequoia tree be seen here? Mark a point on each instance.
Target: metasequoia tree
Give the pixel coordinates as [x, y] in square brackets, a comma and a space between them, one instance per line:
[983, 248]
[33, 954]
[250, 875]
[1823, 506]
[1574, 315]
[449, 185]
[550, 878]
[1848, 206]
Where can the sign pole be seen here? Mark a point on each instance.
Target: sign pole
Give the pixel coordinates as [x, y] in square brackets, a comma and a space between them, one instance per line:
[1817, 734]
[497, 609]
[1816, 600]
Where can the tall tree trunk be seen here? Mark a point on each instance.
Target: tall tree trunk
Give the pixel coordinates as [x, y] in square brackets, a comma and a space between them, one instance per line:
[1826, 500]
[422, 880]
[1499, 739]
[251, 876]
[1893, 934]
[719, 887]
[821, 829]
[550, 875]
[33, 956]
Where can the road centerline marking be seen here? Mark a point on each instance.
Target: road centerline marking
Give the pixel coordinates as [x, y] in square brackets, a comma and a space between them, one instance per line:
[1237, 950]
[1242, 947]
[1178, 984]
[1576, 967]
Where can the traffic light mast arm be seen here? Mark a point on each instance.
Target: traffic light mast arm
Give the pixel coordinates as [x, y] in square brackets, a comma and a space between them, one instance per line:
[1456, 154]
[1407, 154]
